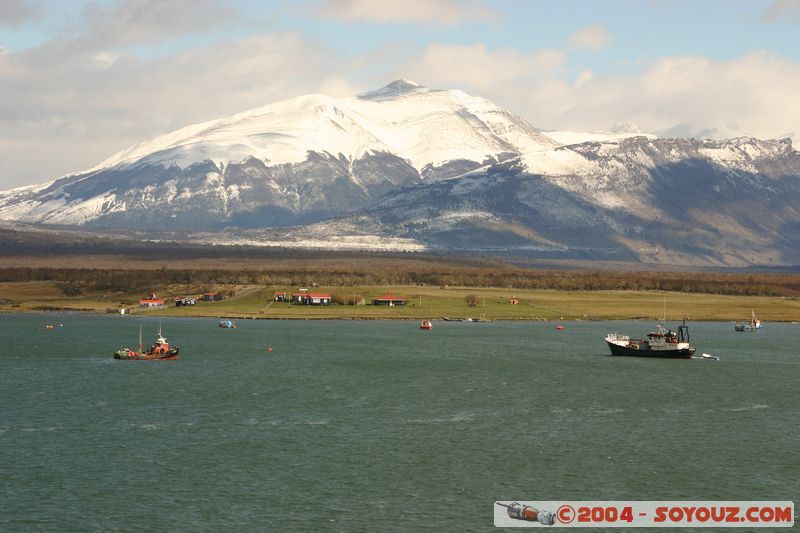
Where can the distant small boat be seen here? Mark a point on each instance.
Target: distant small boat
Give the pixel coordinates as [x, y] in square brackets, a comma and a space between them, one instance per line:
[227, 323]
[425, 324]
[753, 325]
[559, 327]
[709, 356]
[159, 351]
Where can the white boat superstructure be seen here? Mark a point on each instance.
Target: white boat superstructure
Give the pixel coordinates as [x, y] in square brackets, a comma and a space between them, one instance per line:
[660, 343]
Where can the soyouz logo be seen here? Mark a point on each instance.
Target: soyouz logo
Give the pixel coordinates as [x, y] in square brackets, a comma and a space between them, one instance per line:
[618, 514]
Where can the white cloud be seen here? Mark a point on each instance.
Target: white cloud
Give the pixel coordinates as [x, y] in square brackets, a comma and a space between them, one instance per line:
[438, 12]
[338, 87]
[17, 12]
[783, 9]
[754, 94]
[442, 65]
[64, 112]
[594, 38]
[127, 22]
[584, 77]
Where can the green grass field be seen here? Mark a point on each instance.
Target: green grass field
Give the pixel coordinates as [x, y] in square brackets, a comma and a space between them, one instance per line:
[423, 302]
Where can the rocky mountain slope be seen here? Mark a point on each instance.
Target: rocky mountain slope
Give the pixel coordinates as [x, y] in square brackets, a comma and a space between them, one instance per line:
[674, 201]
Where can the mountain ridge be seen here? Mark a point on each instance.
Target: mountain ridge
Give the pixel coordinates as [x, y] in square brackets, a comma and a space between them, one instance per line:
[439, 169]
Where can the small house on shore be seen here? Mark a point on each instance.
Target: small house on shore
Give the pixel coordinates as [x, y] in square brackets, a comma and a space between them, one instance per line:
[212, 297]
[389, 300]
[151, 303]
[312, 298]
[299, 297]
[280, 296]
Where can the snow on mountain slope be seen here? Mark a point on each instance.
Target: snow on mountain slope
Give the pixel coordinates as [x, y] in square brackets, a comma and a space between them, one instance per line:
[617, 132]
[424, 126]
[290, 162]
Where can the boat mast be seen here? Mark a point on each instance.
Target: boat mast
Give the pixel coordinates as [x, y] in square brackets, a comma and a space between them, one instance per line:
[140, 338]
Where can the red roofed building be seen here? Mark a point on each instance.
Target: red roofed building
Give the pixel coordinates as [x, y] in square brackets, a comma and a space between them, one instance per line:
[315, 298]
[312, 298]
[299, 297]
[151, 303]
[390, 300]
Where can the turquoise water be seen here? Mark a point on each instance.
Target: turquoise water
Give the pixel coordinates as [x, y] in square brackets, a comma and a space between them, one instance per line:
[376, 425]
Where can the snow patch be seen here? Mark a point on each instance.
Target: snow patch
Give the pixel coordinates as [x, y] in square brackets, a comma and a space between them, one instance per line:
[334, 242]
[576, 137]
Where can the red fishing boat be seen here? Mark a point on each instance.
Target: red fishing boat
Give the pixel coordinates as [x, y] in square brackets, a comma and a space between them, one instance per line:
[160, 350]
[425, 324]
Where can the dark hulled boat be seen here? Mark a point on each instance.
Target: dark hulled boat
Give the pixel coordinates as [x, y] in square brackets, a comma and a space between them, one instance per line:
[660, 343]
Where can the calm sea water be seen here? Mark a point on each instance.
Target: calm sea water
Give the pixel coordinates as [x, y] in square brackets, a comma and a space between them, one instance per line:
[378, 426]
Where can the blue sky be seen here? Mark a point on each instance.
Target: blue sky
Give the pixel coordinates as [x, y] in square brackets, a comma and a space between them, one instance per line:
[81, 80]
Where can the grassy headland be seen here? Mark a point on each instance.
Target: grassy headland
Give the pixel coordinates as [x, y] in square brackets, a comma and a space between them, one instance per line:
[490, 303]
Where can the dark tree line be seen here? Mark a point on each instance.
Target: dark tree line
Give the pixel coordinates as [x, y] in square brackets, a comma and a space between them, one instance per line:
[435, 274]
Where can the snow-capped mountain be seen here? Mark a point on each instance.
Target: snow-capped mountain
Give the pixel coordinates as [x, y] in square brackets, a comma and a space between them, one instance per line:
[414, 168]
[295, 161]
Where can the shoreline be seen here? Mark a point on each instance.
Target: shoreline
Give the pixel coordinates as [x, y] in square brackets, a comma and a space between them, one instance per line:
[379, 318]
[257, 302]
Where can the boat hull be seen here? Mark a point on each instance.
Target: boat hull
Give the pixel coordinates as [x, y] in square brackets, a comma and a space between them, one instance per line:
[169, 356]
[683, 353]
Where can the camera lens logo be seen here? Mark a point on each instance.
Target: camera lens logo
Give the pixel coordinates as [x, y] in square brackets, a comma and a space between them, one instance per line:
[528, 513]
